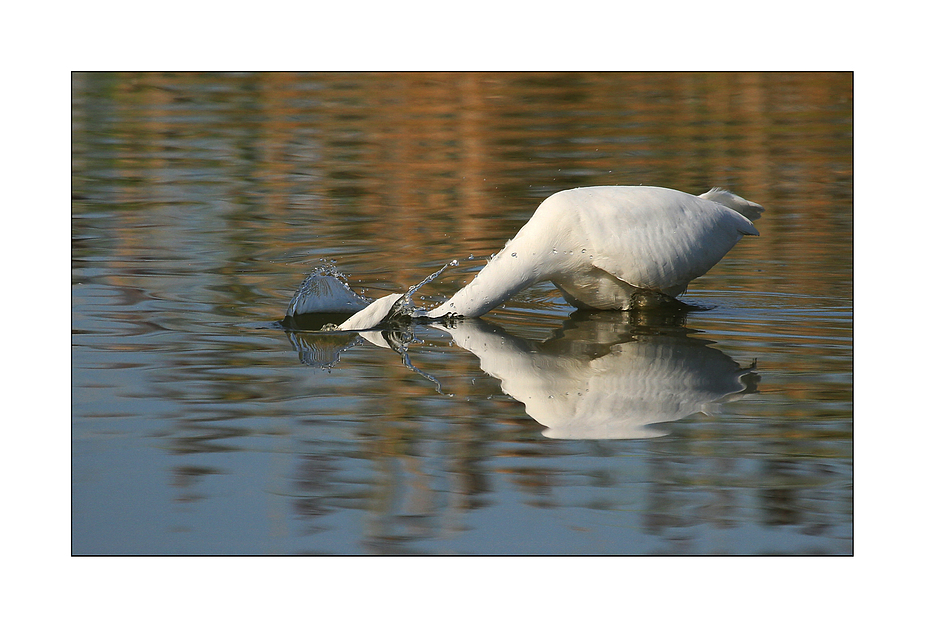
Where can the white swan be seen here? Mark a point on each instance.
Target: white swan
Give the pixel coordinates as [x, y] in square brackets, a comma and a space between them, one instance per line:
[608, 247]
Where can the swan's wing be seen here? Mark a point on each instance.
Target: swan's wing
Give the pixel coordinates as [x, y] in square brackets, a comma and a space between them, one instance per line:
[653, 238]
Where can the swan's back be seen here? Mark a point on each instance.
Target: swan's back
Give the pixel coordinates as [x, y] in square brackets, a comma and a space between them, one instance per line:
[651, 238]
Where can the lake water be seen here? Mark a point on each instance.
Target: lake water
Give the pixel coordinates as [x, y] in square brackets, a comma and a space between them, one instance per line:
[201, 426]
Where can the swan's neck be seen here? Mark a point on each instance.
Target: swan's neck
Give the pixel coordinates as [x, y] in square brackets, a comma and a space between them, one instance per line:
[507, 273]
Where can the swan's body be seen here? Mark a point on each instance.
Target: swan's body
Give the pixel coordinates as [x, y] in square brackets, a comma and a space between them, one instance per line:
[605, 248]
[611, 248]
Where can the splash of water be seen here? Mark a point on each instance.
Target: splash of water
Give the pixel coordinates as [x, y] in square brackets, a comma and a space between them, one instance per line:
[327, 267]
[325, 289]
[405, 307]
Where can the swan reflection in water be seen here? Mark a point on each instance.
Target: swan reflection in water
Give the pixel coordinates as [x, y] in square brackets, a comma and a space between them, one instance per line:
[601, 375]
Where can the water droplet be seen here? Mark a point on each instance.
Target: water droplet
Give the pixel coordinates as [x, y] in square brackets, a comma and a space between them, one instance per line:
[471, 256]
[555, 252]
[513, 254]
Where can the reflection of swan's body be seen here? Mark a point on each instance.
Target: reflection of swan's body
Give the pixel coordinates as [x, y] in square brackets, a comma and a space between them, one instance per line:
[615, 247]
[600, 379]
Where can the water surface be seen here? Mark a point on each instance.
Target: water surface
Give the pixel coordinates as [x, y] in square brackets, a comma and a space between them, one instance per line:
[200, 426]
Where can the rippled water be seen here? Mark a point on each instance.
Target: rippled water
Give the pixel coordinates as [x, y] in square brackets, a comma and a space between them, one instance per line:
[200, 425]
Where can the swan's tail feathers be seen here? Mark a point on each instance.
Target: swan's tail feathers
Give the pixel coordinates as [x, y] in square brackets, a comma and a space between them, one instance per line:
[750, 210]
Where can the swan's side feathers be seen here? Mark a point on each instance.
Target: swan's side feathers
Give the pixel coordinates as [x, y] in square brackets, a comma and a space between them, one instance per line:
[371, 315]
[750, 210]
[651, 238]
